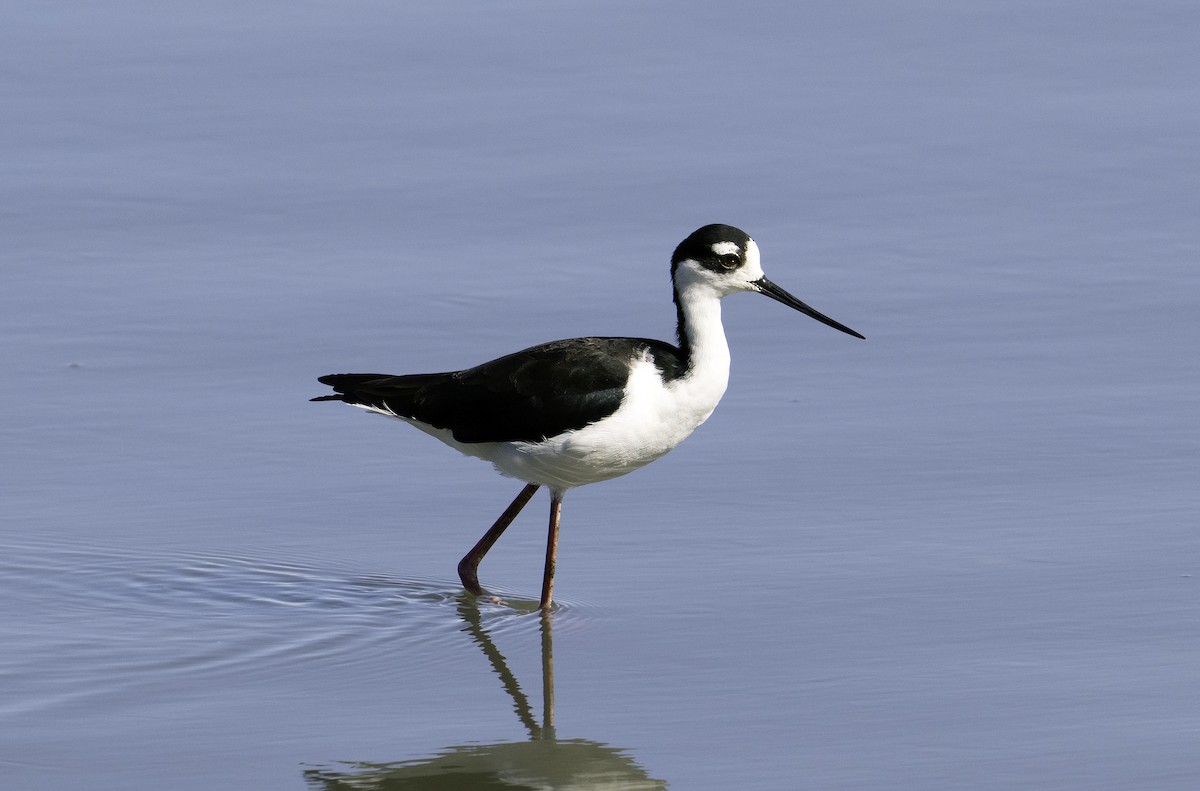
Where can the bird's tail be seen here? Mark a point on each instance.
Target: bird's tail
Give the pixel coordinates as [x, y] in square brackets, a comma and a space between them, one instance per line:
[346, 384]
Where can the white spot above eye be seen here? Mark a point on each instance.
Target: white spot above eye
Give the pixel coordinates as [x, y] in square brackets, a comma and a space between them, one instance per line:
[726, 248]
[753, 267]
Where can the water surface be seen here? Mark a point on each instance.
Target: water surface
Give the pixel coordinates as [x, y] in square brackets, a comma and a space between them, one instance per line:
[960, 554]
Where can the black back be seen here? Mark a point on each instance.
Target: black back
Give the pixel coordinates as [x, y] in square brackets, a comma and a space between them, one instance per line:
[526, 396]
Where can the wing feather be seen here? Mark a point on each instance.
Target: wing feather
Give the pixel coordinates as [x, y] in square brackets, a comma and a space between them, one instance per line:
[526, 396]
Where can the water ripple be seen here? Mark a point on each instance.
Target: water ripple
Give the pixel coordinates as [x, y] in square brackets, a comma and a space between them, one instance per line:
[81, 622]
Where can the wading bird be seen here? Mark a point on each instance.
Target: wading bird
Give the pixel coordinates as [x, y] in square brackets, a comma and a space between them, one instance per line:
[582, 410]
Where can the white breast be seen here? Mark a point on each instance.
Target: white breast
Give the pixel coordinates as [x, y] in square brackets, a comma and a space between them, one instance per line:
[653, 418]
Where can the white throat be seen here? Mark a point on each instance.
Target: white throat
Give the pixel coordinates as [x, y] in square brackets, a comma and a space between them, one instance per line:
[700, 389]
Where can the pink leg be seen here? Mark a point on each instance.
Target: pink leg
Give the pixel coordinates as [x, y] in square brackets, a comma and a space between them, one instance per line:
[551, 551]
[468, 567]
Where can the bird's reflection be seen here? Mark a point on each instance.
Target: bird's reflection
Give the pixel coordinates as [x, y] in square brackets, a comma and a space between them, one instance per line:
[544, 761]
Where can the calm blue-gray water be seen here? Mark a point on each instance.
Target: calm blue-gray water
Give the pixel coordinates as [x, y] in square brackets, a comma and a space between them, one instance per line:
[961, 554]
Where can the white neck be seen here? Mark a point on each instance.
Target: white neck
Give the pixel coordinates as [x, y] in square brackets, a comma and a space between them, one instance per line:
[701, 388]
[701, 313]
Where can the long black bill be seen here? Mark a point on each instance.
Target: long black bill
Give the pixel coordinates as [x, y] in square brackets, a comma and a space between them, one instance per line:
[779, 295]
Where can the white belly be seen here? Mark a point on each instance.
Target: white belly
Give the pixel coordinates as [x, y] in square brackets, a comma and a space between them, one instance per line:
[653, 418]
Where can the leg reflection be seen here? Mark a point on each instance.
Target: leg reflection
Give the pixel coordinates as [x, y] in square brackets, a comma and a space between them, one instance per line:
[542, 761]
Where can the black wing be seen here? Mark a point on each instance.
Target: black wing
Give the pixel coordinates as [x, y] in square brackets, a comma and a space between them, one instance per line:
[527, 396]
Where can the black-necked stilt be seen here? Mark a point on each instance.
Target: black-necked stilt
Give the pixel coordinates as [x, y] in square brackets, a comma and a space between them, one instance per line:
[583, 410]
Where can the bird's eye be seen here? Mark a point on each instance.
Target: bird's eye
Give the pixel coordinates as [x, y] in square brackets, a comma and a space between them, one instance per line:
[728, 261]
